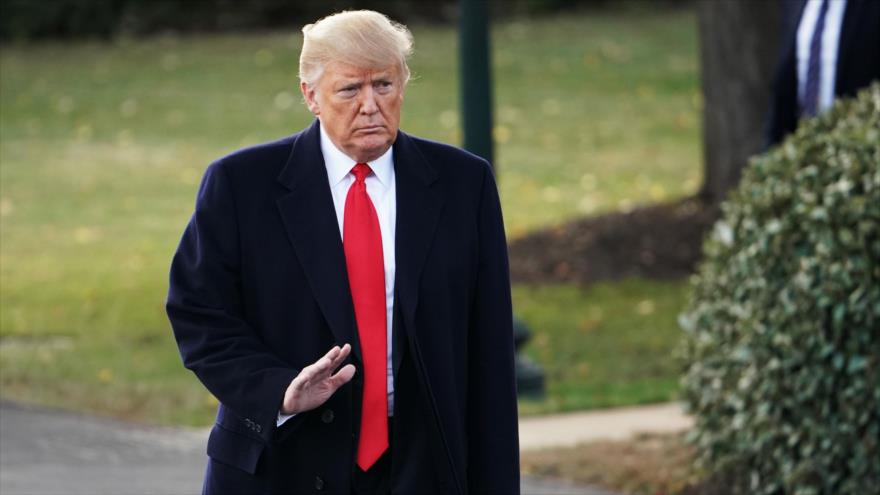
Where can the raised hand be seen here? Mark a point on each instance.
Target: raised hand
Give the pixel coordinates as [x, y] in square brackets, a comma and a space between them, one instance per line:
[316, 382]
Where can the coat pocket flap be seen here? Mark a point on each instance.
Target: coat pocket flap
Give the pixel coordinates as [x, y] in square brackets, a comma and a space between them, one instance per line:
[235, 450]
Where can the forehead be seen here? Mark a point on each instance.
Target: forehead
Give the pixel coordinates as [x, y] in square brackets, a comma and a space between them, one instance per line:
[343, 71]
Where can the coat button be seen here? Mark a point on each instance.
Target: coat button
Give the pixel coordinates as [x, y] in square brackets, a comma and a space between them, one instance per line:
[319, 483]
[327, 416]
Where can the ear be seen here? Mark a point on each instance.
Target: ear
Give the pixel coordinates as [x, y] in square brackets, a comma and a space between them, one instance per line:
[308, 93]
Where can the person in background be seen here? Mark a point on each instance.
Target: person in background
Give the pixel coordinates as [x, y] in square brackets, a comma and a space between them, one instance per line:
[344, 292]
[830, 48]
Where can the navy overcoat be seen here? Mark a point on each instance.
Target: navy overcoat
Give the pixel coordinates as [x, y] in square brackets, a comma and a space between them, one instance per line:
[258, 290]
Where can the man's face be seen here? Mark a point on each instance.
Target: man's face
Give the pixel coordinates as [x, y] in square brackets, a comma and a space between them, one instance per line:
[358, 108]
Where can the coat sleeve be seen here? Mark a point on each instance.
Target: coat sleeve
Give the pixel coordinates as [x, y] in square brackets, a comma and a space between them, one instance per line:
[493, 440]
[204, 306]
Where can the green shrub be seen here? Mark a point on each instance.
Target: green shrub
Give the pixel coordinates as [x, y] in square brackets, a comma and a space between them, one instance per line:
[782, 336]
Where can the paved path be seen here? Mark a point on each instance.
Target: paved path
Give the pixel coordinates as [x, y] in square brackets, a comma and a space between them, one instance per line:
[53, 452]
[569, 429]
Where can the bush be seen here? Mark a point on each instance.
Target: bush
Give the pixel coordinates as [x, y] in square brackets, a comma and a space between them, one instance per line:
[782, 336]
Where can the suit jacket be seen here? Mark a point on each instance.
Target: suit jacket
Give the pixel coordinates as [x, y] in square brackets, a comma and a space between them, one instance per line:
[858, 61]
[258, 290]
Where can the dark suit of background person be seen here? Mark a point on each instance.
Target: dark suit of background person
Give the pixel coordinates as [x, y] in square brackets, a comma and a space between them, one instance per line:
[259, 290]
[858, 61]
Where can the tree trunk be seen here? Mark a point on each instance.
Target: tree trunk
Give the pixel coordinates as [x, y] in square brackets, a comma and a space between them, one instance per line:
[738, 56]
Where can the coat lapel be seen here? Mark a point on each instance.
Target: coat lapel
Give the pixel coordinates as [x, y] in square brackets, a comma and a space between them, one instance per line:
[851, 17]
[310, 220]
[419, 204]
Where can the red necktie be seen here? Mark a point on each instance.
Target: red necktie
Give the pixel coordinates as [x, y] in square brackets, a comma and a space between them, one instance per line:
[362, 242]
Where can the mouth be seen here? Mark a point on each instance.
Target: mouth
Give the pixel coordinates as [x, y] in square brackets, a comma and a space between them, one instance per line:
[370, 129]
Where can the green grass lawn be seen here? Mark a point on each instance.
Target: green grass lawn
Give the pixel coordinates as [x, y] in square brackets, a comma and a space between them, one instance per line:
[603, 346]
[102, 147]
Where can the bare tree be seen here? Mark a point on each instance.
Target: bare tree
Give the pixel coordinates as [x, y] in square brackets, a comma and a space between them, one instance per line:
[738, 55]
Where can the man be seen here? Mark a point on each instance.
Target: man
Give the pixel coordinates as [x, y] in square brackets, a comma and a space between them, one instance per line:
[344, 293]
[830, 48]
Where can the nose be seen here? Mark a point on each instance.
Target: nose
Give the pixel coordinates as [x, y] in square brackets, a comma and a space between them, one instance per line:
[368, 101]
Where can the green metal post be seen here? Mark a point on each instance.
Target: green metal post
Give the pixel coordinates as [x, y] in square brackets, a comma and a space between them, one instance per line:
[476, 111]
[476, 82]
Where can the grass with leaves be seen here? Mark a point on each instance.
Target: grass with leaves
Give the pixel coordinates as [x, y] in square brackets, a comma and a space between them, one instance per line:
[102, 146]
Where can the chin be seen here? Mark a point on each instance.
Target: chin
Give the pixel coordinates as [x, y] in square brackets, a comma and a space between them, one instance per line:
[373, 148]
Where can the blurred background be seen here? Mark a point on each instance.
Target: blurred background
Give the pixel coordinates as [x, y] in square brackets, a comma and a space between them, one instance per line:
[112, 109]
[106, 134]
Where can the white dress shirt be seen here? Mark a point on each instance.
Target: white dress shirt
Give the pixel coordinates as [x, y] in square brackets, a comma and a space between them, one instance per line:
[830, 44]
[382, 189]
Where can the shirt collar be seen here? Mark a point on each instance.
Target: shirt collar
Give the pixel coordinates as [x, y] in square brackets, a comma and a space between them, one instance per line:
[339, 164]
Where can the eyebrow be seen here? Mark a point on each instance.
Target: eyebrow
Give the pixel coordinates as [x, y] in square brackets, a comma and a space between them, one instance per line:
[357, 81]
[349, 83]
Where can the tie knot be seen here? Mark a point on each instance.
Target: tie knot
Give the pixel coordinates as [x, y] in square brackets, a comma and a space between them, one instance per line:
[361, 171]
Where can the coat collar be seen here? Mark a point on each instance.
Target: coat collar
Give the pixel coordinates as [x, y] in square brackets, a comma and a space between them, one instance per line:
[306, 160]
[339, 164]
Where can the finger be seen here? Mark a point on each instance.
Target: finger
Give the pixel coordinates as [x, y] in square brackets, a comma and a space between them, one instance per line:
[346, 350]
[343, 376]
[340, 357]
[326, 360]
[332, 353]
[324, 366]
[319, 370]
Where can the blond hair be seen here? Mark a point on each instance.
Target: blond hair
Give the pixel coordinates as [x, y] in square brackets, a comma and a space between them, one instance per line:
[362, 38]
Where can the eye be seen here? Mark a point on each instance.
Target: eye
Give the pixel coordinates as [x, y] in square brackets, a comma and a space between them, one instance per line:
[347, 91]
[383, 86]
